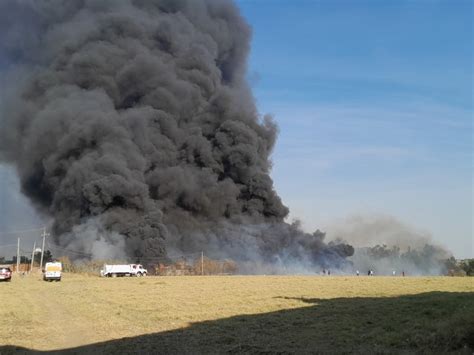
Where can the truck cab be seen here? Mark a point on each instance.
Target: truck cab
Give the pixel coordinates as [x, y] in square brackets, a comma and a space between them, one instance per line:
[138, 270]
[123, 270]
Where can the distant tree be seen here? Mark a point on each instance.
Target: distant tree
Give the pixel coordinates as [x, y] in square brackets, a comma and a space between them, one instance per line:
[383, 251]
[23, 260]
[468, 267]
[230, 267]
[453, 268]
[47, 257]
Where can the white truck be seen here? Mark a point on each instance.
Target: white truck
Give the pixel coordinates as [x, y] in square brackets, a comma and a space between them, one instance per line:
[52, 271]
[123, 270]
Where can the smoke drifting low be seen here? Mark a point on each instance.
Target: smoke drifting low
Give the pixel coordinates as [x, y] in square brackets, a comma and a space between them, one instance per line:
[384, 244]
[131, 124]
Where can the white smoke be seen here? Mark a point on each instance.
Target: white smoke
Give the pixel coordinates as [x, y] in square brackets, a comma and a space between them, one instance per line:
[386, 245]
[94, 241]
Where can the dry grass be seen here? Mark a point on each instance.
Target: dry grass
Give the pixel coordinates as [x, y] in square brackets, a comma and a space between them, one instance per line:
[238, 314]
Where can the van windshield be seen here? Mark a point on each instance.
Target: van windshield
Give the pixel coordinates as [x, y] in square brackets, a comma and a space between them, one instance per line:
[53, 267]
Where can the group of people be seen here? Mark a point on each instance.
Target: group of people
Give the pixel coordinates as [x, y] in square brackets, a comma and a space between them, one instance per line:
[370, 272]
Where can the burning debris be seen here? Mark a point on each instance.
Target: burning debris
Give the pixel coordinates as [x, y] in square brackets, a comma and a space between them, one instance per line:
[132, 125]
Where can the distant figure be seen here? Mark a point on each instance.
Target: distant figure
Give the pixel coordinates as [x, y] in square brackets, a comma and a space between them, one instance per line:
[324, 271]
[371, 272]
[403, 273]
[393, 272]
[329, 272]
[357, 272]
[368, 273]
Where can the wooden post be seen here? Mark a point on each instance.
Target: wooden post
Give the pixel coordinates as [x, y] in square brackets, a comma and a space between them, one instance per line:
[202, 263]
[42, 248]
[18, 256]
[33, 256]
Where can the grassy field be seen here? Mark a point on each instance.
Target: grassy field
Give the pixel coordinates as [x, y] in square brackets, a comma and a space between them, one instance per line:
[238, 314]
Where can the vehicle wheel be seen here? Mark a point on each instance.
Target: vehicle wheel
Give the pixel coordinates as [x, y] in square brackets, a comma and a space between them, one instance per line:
[114, 275]
[139, 274]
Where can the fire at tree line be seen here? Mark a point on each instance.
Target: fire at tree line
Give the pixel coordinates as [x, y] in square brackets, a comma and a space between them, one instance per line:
[207, 266]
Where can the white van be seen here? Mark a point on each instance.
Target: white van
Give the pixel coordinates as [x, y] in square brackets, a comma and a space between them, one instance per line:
[52, 271]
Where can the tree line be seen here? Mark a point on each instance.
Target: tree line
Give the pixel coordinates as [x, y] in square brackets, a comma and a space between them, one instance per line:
[47, 257]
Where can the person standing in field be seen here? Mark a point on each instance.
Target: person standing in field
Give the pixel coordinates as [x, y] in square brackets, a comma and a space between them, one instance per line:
[357, 272]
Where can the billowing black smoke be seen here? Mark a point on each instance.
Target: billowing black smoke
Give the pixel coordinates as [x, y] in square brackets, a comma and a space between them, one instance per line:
[131, 124]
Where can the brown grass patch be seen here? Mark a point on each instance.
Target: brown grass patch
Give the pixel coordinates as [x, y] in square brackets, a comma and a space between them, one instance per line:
[239, 313]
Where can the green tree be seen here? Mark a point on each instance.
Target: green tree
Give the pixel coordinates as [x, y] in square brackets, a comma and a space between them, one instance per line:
[47, 257]
[468, 267]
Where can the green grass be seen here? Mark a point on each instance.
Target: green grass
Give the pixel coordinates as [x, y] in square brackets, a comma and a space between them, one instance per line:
[239, 314]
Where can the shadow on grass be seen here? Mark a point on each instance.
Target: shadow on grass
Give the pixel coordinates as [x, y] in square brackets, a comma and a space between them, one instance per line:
[434, 322]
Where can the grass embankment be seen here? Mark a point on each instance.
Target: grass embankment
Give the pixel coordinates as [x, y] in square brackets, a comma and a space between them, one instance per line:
[238, 314]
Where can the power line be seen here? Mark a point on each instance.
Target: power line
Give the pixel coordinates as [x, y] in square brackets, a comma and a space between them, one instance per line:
[68, 250]
[7, 245]
[20, 231]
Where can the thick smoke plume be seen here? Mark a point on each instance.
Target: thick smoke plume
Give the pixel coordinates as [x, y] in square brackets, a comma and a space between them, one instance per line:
[131, 124]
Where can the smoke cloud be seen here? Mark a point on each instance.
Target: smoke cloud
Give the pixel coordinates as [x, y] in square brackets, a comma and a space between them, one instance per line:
[132, 125]
[384, 244]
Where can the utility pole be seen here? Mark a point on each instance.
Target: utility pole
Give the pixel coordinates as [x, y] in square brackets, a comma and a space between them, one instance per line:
[202, 263]
[18, 256]
[33, 256]
[44, 235]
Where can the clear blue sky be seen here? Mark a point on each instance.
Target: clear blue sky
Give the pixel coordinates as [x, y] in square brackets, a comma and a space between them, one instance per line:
[374, 102]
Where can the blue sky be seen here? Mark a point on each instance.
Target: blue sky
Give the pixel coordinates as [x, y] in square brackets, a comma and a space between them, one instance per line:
[374, 102]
